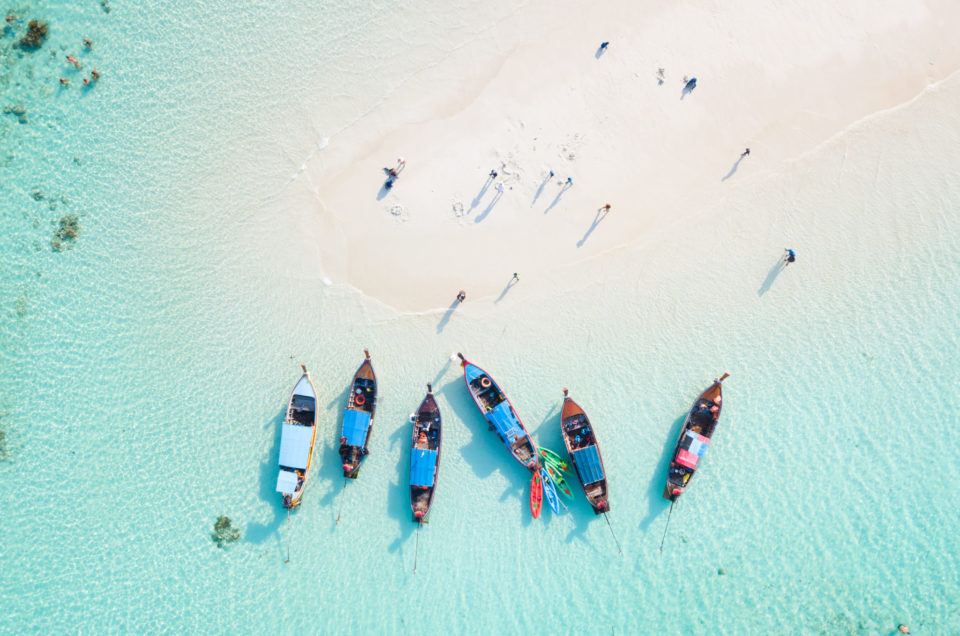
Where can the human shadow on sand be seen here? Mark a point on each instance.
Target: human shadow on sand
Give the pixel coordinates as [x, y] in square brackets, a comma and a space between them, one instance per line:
[479, 197]
[490, 206]
[601, 215]
[506, 288]
[771, 276]
[259, 532]
[536, 196]
[736, 164]
[656, 504]
[556, 199]
[447, 315]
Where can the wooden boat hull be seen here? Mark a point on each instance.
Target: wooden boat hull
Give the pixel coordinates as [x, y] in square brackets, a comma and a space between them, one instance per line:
[584, 451]
[695, 436]
[297, 439]
[501, 417]
[425, 456]
[358, 418]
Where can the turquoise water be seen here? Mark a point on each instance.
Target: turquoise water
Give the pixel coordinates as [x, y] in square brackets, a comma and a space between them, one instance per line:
[144, 370]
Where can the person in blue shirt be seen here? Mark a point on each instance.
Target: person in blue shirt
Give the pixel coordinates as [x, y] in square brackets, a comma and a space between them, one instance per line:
[789, 256]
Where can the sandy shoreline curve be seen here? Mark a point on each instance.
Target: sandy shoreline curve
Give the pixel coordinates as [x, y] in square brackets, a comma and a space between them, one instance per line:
[779, 82]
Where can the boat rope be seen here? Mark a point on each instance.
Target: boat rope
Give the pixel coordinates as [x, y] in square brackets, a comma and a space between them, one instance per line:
[417, 550]
[288, 536]
[667, 526]
[612, 533]
[340, 509]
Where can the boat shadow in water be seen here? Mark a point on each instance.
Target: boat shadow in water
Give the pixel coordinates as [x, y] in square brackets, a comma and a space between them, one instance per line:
[656, 503]
[327, 453]
[485, 454]
[771, 276]
[259, 532]
[398, 506]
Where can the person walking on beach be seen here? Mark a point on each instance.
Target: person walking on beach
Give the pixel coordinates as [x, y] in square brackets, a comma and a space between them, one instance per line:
[550, 176]
[500, 188]
[789, 256]
[493, 174]
[745, 153]
[516, 279]
[603, 46]
[461, 296]
[569, 181]
[605, 208]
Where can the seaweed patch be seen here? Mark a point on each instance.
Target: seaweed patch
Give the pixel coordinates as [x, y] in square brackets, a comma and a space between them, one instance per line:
[66, 234]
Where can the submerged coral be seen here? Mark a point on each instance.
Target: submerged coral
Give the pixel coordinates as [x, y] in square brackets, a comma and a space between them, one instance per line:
[67, 233]
[36, 34]
[223, 532]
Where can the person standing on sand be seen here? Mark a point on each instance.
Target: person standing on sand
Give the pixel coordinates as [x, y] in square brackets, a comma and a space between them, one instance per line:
[569, 181]
[516, 278]
[789, 256]
[604, 45]
[605, 208]
[493, 174]
[745, 153]
[461, 296]
[500, 188]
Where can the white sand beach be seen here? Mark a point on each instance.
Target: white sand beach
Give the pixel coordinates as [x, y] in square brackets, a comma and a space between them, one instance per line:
[786, 80]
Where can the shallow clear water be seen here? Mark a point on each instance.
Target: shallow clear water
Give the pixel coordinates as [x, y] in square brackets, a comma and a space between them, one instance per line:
[144, 371]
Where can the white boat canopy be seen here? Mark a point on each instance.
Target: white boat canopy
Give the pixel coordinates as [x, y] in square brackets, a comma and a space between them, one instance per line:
[287, 482]
[295, 441]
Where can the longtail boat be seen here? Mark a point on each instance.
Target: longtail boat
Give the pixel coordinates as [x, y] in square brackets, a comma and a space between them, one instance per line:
[581, 442]
[358, 418]
[425, 456]
[297, 436]
[500, 414]
[697, 430]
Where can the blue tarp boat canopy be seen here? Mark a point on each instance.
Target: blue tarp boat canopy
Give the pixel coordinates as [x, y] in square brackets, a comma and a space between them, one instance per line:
[422, 465]
[355, 426]
[506, 423]
[588, 464]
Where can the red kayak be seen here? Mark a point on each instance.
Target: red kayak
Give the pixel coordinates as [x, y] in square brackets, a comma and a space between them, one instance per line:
[536, 495]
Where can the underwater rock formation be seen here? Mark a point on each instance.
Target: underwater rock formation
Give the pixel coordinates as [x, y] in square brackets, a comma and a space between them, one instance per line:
[223, 532]
[36, 34]
[66, 234]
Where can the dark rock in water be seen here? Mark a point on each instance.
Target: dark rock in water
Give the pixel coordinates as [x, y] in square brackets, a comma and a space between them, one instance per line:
[36, 34]
[105, 6]
[223, 532]
[66, 233]
[721, 571]
[37, 195]
[17, 111]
